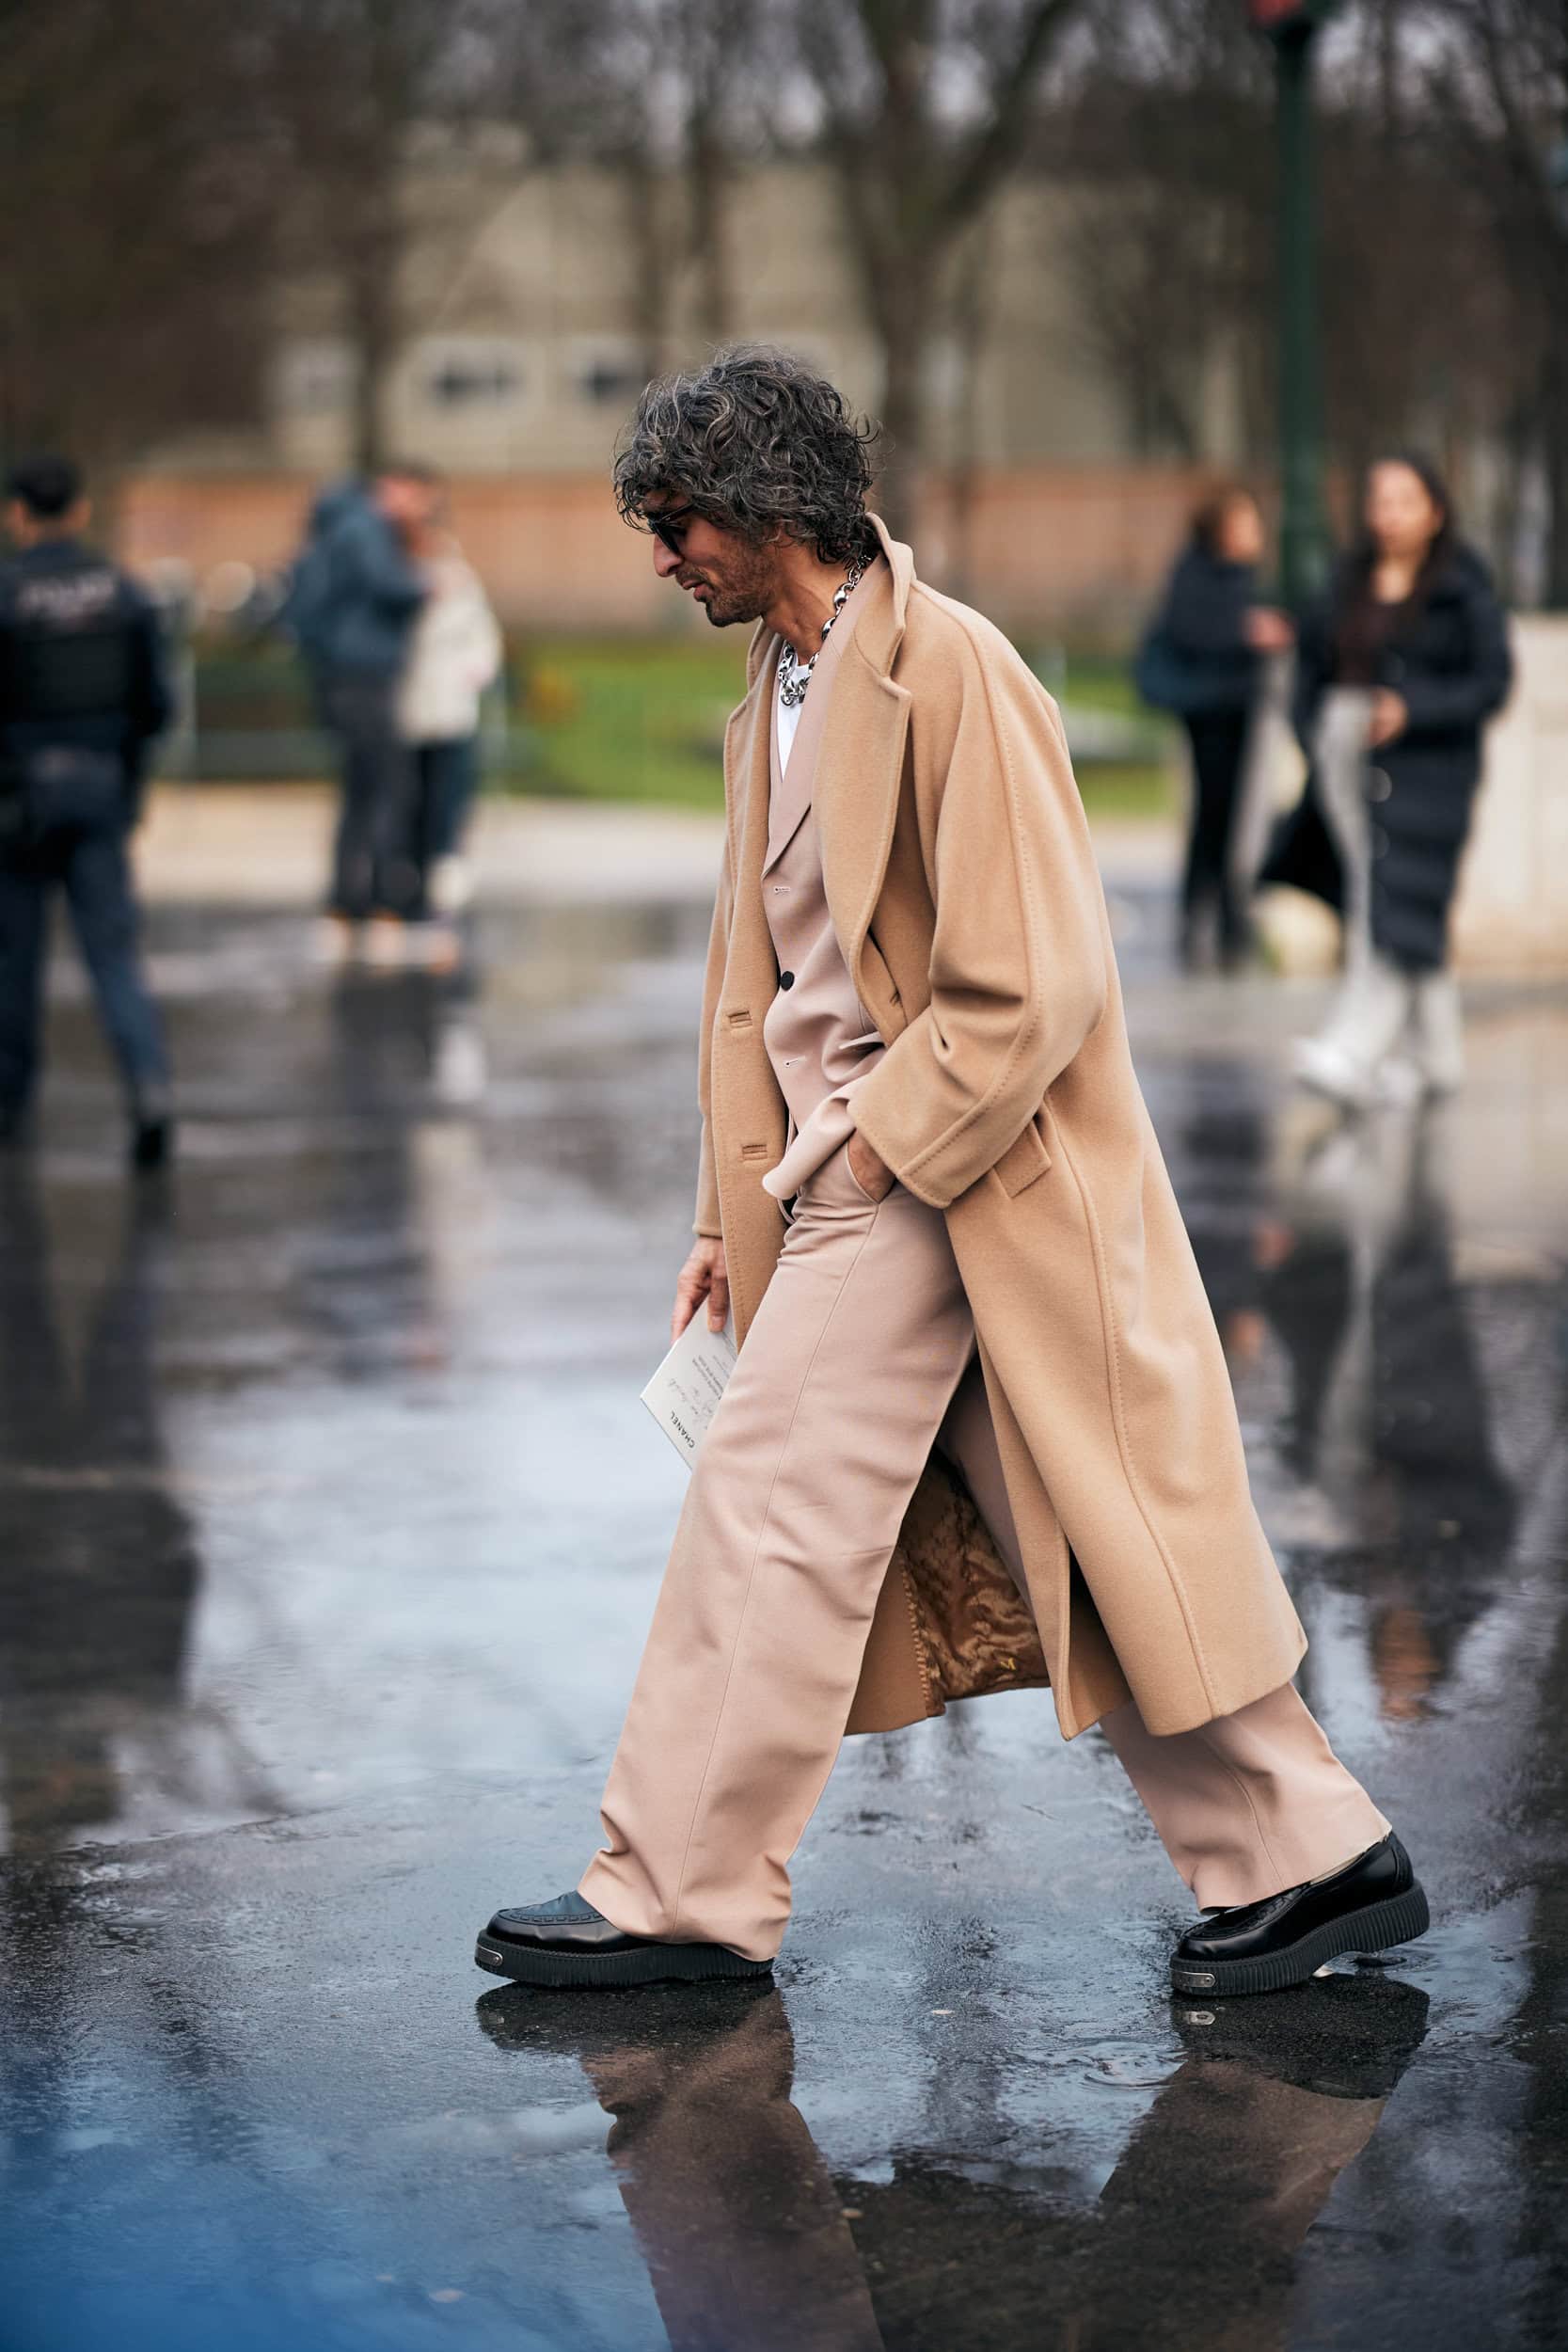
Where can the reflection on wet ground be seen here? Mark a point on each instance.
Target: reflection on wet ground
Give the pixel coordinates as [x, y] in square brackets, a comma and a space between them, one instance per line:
[750, 2240]
[329, 1527]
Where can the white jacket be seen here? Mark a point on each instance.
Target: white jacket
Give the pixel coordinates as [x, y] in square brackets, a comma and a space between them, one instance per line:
[454, 652]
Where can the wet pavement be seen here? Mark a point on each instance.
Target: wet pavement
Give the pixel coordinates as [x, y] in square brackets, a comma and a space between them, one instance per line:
[329, 1527]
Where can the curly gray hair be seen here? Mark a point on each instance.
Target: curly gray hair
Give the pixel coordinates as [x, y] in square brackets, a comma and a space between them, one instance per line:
[757, 443]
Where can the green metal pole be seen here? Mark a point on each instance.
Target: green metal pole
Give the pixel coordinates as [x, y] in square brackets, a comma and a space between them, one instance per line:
[1304, 541]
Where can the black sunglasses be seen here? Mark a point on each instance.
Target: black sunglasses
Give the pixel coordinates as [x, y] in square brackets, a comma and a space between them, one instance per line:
[670, 527]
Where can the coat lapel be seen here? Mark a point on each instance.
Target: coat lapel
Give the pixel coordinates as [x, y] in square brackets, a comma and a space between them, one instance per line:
[750, 972]
[794, 788]
[856, 783]
[849, 767]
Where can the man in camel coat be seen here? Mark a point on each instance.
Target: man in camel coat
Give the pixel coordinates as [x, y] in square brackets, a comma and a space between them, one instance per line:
[980, 1432]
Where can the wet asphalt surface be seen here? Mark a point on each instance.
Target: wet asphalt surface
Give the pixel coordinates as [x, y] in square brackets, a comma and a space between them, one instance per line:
[329, 1527]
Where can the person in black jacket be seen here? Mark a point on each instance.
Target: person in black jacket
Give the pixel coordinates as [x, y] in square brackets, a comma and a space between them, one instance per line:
[1215, 629]
[1398, 669]
[83, 693]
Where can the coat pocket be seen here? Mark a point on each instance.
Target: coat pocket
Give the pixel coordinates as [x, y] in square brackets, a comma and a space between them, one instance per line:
[1024, 1159]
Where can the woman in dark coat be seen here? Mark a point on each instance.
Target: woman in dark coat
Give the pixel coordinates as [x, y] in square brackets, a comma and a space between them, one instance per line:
[1212, 630]
[1399, 668]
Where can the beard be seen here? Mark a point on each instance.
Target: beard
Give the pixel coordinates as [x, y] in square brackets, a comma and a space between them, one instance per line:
[740, 589]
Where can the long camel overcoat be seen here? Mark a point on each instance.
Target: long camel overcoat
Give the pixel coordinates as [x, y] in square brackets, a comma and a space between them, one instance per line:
[963, 890]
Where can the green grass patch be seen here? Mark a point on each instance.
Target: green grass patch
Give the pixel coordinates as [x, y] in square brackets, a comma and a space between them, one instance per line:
[1114, 790]
[600, 718]
[1101, 684]
[628, 719]
[643, 720]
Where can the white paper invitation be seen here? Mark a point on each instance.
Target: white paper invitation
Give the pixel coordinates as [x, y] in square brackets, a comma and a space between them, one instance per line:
[684, 1393]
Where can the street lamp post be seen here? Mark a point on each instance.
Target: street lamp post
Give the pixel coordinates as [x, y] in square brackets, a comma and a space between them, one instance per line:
[1292, 27]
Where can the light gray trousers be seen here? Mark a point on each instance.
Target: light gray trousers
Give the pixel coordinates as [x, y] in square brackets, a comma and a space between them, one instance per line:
[1385, 1022]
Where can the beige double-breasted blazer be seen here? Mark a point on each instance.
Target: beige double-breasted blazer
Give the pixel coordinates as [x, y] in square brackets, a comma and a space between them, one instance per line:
[962, 887]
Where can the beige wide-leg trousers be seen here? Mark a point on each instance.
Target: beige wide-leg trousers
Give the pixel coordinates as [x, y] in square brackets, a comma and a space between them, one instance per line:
[855, 1365]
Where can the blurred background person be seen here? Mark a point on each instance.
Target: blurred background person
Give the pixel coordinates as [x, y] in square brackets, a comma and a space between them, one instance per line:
[307, 595]
[1202, 661]
[82, 694]
[354, 600]
[453, 654]
[1397, 669]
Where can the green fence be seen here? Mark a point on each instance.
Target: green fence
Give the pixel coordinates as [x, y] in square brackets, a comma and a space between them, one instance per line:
[246, 716]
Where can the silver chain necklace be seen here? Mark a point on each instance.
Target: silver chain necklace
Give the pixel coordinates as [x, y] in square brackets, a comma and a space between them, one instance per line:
[794, 674]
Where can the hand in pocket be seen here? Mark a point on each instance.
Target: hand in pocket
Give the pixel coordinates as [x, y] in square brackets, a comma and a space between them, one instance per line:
[873, 1174]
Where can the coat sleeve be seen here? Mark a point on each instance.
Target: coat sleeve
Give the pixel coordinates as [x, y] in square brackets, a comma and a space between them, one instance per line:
[1019, 967]
[707, 1221]
[1454, 704]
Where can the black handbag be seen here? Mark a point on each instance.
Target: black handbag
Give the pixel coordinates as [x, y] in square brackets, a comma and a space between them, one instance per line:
[1168, 679]
[1302, 854]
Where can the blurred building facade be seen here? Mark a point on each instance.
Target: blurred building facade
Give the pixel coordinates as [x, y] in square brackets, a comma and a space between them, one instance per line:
[534, 305]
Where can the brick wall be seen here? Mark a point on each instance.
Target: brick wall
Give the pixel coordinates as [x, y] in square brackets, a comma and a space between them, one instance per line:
[1045, 548]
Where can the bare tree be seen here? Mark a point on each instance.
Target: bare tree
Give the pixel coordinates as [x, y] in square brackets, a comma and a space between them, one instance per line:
[925, 106]
[1170, 139]
[664, 93]
[1502, 107]
[136, 190]
[723, 114]
[588, 79]
[1167, 140]
[349, 84]
[1412, 326]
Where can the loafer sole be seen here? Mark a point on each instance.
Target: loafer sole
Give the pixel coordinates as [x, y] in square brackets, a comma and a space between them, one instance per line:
[1398, 1919]
[650, 1963]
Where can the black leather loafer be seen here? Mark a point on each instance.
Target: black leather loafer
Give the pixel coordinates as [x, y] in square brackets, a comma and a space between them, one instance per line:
[566, 1942]
[1260, 1947]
